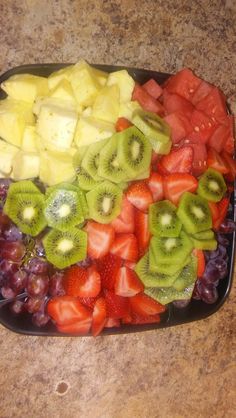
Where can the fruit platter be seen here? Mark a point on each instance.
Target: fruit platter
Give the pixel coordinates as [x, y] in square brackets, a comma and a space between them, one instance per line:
[117, 199]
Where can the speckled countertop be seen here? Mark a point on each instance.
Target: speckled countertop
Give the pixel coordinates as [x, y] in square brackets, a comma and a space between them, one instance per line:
[182, 372]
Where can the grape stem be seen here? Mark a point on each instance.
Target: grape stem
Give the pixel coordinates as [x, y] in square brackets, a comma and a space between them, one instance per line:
[4, 302]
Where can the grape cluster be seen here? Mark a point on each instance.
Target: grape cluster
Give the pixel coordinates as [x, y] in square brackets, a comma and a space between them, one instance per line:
[23, 268]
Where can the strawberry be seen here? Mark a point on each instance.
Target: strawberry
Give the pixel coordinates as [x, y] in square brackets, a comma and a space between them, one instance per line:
[143, 305]
[139, 195]
[129, 264]
[142, 231]
[178, 183]
[117, 306]
[214, 211]
[67, 310]
[125, 246]
[108, 267]
[146, 319]
[89, 302]
[178, 160]
[223, 206]
[100, 238]
[81, 282]
[155, 184]
[125, 221]
[99, 316]
[200, 262]
[122, 124]
[112, 322]
[127, 283]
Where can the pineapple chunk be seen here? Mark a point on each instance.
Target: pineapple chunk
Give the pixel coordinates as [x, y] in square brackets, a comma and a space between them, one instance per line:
[126, 110]
[85, 84]
[101, 76]
[56, 167]
[25, 165]
[57, 76]
[14, 115]
[7, 153]
[56, 126]
[63, 90]
[25, 87]
[125, 83]
[90, 130]
[30, 138]
[54, 101]
[106, 105]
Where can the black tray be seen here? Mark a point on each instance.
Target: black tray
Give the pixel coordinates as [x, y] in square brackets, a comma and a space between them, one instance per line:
[194, 311]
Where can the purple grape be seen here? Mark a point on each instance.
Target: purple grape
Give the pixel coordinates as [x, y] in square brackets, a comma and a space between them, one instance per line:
[181, 304]
[37, 285]
[222, 240]
[7, 292]
[12, 250]
[8, 268]
[18, 281]
[37, 266]
[17, 307]
[12, 233]
[40, 319]
[56, 284]
[33, 305]
[4, 186]
[207, 291]
[85, 263]
[227, 226]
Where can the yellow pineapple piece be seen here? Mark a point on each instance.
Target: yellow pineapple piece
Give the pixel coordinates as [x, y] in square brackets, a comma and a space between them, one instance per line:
[85, 84]
[56, 126]
[106, 105]
[25, 87]
[25, 165]
[63, 90]
[29, 139]
[14, 115]
[126, 110]
[56, 167]
[125, 83]
[57, 76]
[90, 130]
[7, 153]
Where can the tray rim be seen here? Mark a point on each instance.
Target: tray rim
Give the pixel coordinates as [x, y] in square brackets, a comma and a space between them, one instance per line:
[124, 329]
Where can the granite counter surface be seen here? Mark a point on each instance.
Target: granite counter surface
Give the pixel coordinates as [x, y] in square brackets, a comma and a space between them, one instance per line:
[187, 371]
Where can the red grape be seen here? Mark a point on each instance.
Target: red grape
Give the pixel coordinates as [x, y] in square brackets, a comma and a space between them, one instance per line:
[37, 266]
[7, 268]
[227, 227]
[40, 319]
[56, 284]
[4, 186]
[33, 305]
[17, 307]
[7, 292]
[207, 291]
[18, 280]
[12, 233]
[37, 285]
[13, 251]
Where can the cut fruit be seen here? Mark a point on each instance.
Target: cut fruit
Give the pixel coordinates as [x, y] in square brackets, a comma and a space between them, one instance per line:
[187, 276]
[104, 202]
[110, 167]
[152, 126]
[204, 244]
[177, 161]
[26, 211]
[125, 246]
[171, 250]
[194, 213]
[63, 209]
[167, 295]
[208, 234]
[211, 185]
[124, 223]
[139, 195]
[155, 184]
[134, 151]
[90, 161]
[65, 248]
[100, 239]
[141, 231]
[127, 283]
[163, 221]
[142, 304]
[85, 181]
[176, 184]
[152, 279]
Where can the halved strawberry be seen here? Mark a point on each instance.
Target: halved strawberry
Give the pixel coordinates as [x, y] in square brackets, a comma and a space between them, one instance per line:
[223, 206]
[145, 319]
[142, 304]
[125, 221]
[117, 306]
[122, 124]
[178, 160]
[89, 302]
[100, 238]
[142, 231]
[139, 195]
[200, 261]
[99, 316]
[214, 160]
[127, 283]
[81, 282]
[67, 310]
[214, 211]
[130, 264]
[231, 164]
[155, 184]
[108, 267]
[125, 246]
[112, 322]
[176, 184]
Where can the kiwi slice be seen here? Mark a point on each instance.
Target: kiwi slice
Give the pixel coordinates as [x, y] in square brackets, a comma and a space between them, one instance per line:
[134, 151]
[151, 279]
[85, 181]
[90, 161]
[204, 244]
[110, 167]
[188, 275]
[104, 202]
[169, 294]
[23, 186]
[78, 157]
[153, 127]
[194, 213]
[208, 234]
[63, 209]
[163, 220]
[63, 249]
[172, 250]
[211, 185]
[165, 268]
[26, 211]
